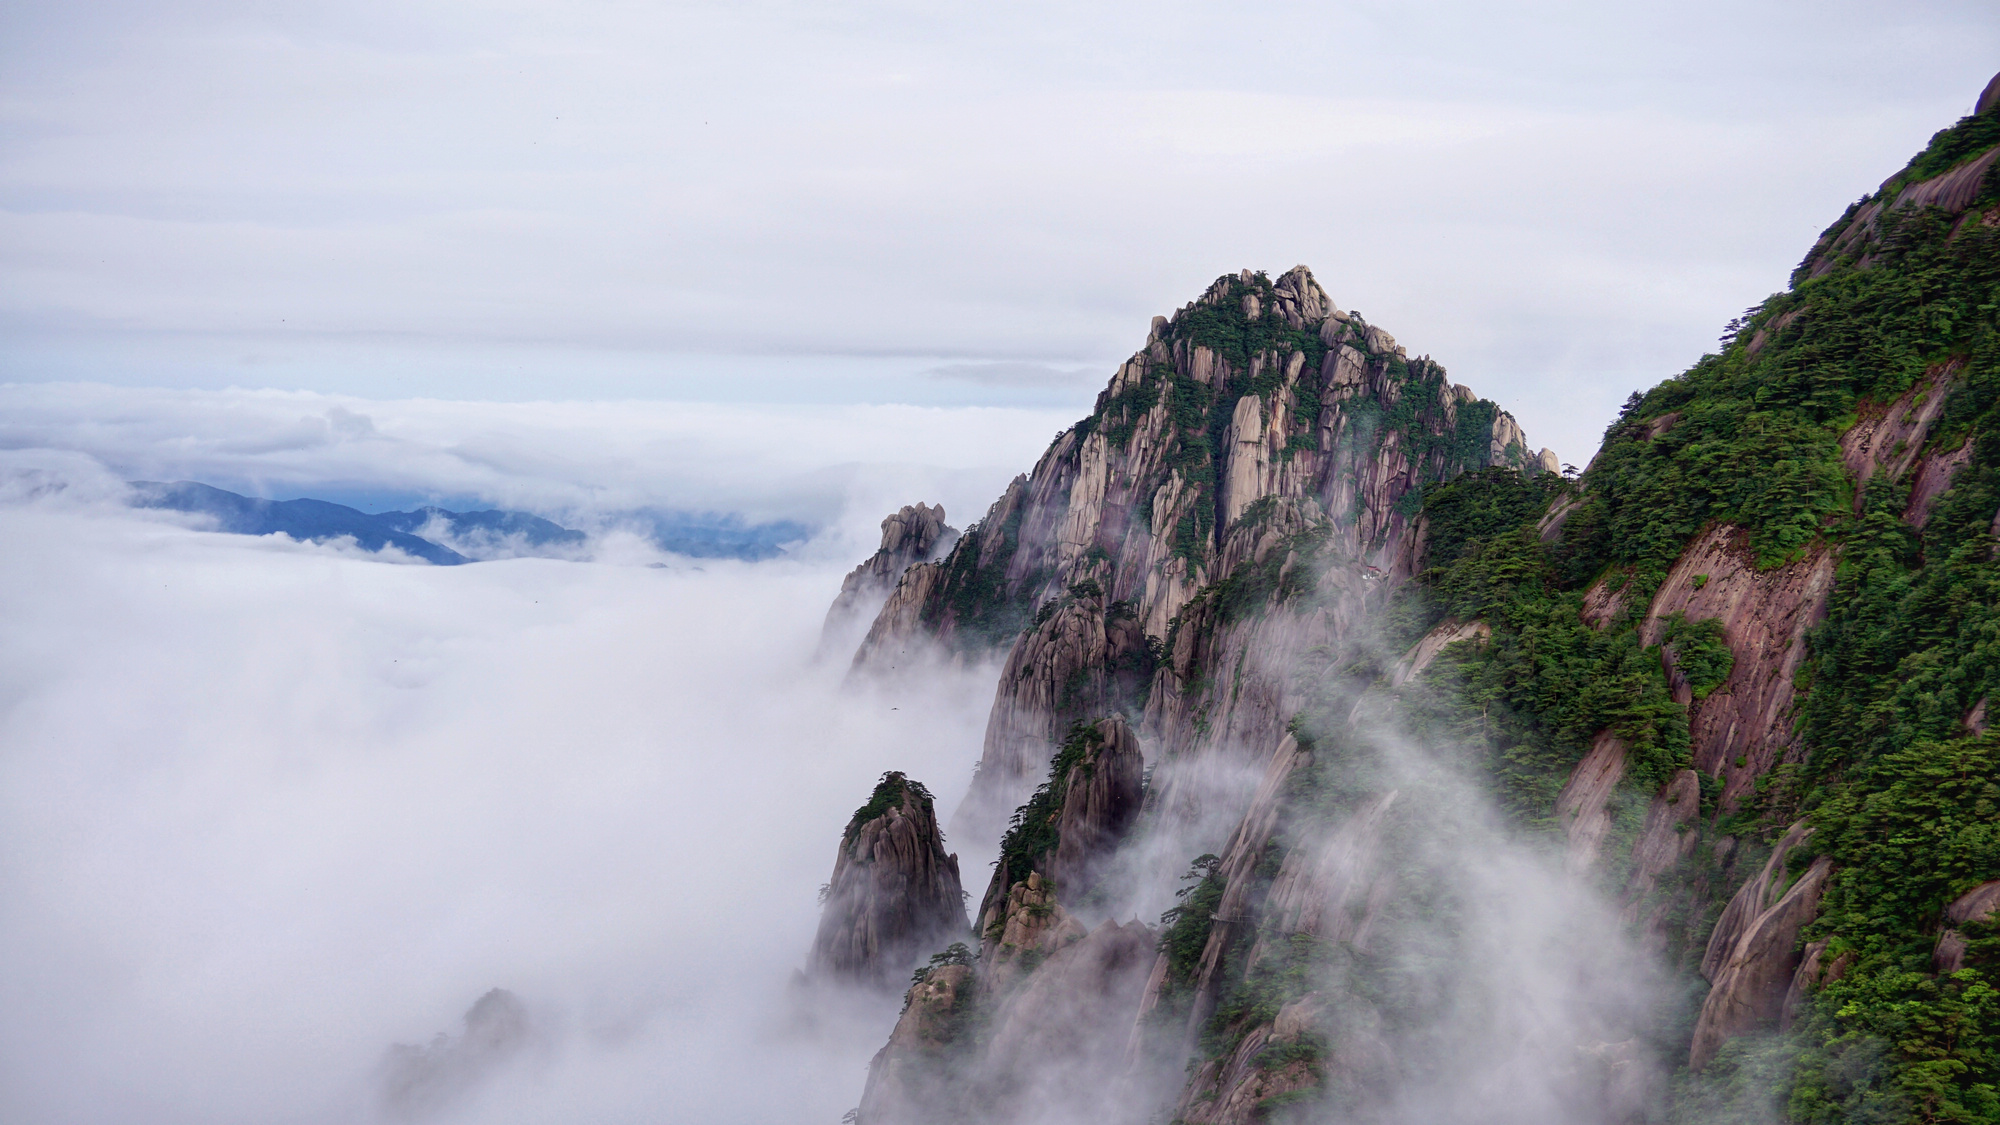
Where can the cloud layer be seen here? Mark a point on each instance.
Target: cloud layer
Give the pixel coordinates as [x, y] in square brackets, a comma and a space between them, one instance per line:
[837, 468]
[788, 202]
[266, 809]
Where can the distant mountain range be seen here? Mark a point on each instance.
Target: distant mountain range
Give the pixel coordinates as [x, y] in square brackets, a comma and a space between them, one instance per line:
[448, 538]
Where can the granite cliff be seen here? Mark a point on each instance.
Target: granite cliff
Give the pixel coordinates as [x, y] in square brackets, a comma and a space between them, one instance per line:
[912, 535]
[1466, 789]
[894, 895]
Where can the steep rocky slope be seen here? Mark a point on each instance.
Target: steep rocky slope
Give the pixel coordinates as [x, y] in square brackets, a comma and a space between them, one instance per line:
[1262, 444]
[1471, 791]
[894, 896]
[912, 535]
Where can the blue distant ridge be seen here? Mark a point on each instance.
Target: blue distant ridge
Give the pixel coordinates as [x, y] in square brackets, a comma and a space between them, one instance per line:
[533, 530]
[314, 520]
[703, 535]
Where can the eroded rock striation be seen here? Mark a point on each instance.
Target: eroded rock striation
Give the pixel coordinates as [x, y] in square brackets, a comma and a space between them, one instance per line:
[1263, 442]
[916, 533]
[1444, 768]
[1753, 954]
[895, 895]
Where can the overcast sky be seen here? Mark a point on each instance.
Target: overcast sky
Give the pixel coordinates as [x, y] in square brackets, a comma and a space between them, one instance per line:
[966, 204]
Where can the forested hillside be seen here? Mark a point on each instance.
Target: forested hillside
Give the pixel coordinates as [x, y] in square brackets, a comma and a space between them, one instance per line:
[1462, 787]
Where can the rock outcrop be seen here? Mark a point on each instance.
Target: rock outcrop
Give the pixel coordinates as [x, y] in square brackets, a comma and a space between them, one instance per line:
[1261, 436]
[1753, 954]
[1667, 837]
[1981, 904]
[1234, 1090]
[1201, 568]
[1443, 635]
[914, 534]
[915, 1078]
[1241, 495]
[1101, 801]
[1583, 807]
[1021, 928]
[1886, 439]
[1743, 728]
[1067, 836]
[1056, 1039]
[1330, 889]
[895, 895]
[1050, 1044]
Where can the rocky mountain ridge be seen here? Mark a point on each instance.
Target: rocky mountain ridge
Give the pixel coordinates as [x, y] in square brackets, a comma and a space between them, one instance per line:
[914, 534]
[1259, 425]
[1663, 794]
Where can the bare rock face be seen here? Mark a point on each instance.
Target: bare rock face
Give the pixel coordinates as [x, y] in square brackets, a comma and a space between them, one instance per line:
[913, 1080]
[1933, 476]
[1549, 527]
[1243, 494]
[1246, 847]
[1233, 1090]
[1100, 804]
[1886, 439]
[895, 895]
[1200, 463]
[1666, 838]
[1980, 904]
[1750, 900]
[1052, 1008]
[1584, 805]
[1021, 929]
[1057, 1039]
[1743, 728]
[1753, 955]
[1953, 191]
[912, 535]
[896, 638]
[1949, 955]
[1443, 635]
[1065, 835]
[1602, 602]
[1081, 660]
[1807, 977]
[1331, 888]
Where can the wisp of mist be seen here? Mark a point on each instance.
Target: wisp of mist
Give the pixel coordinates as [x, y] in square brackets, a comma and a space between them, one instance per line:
[269, 809]
[277, 818]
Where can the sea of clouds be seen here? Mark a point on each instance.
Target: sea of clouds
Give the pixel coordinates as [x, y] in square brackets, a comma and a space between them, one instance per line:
[268, 808]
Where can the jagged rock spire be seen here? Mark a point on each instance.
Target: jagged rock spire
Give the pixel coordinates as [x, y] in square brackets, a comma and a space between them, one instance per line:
[910, 535]
[895, 895]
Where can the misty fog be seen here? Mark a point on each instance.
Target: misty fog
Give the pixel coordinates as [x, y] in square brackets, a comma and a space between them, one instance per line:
[268, 809]
[300, 833]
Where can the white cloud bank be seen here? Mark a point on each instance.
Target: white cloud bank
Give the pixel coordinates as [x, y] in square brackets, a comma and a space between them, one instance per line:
[810, 202]
[265, 810]
[838, 468]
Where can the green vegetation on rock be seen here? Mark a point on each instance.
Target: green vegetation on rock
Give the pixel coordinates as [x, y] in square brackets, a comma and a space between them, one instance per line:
[1906, 799]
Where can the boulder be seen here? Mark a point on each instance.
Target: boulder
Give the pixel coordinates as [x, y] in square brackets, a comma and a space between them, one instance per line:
[1980, 904]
